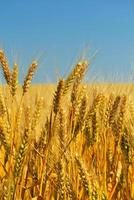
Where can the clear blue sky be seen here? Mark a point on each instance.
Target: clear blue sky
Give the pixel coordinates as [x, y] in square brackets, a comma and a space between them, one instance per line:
[58, 32]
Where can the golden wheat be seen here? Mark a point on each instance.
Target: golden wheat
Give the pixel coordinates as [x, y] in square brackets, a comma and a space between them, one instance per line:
[77, 146]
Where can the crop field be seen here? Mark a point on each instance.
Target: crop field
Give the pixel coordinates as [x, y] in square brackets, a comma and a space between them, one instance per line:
[72, 140]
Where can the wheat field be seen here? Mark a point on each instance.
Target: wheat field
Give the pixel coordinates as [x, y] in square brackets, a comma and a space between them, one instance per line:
[72, 141]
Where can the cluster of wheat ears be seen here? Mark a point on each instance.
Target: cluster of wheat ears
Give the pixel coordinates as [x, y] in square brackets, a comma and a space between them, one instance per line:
[83, 149]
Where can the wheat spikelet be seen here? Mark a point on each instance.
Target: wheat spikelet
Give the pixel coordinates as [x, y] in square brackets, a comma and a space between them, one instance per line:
[81, 117]
[18, 118]
[118, 124]
[125, 146]
[61, 129]
[104, 196]
[58, 96]
[42, 140]
[14, 82]
[37, 113]
[5, 191]
[114, 110]
[82, 72]
[33, 169]
[120, 119]
[110, 149]
[77, 82]
[74, 94]
[70, 190]
[83, 176]
[102, 108]
[3, 109]
[95, 127]
[94, 194]
[21, 153]
[29, 76]
[91, 121]
[3, 136]
[88, 133]
[77, 102]
[108, 110]
[5, 67]
[60, 186]
[110, 182]
[28, 116]
[7, 129]
[78, 71]
[119, 170]
[95, 105]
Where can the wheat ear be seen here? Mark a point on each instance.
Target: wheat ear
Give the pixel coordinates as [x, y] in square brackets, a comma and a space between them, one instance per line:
[5, 67]
[83, 176]
[14, 82]
[58, 96]
[29, 76]
[78, 71]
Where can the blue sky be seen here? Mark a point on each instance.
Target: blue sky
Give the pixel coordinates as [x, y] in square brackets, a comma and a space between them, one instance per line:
[59, 32]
